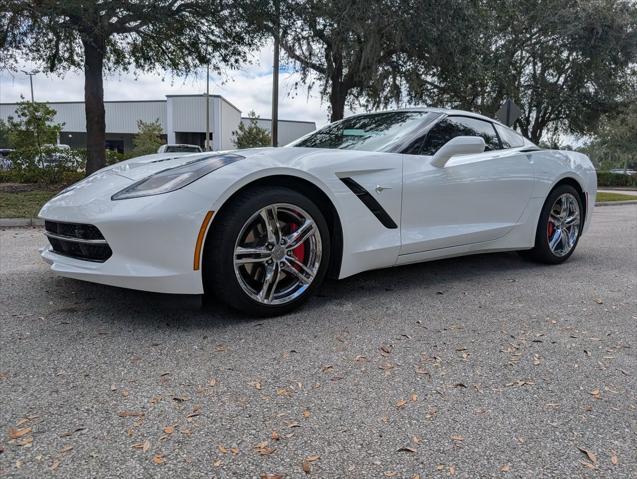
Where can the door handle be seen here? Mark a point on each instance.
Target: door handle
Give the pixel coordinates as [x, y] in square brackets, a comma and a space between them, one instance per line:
[379, 189]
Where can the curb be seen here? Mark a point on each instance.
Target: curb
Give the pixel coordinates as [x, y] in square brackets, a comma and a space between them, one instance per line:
[613, 203]
[15, 222]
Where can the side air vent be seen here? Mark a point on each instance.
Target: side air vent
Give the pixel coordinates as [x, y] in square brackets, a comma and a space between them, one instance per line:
[371, 203]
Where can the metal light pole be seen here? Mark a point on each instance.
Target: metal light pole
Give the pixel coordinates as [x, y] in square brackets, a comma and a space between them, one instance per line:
[207, 142]
[30, 75]
[275, 76]
[37, 133]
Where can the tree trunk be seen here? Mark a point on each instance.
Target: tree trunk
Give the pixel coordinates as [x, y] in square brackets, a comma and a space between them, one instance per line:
[94, 105]
[338, 95]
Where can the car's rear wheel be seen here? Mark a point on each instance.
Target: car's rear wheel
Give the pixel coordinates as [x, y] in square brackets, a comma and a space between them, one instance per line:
[559, 227]
[268, 252]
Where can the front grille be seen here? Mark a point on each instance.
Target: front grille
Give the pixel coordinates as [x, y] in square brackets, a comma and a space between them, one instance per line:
[77, 240]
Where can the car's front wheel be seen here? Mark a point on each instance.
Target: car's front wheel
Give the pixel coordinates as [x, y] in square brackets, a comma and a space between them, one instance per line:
[559, 226]
[268, 252]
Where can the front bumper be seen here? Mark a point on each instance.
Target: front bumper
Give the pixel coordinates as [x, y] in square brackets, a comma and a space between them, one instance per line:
[152, 240]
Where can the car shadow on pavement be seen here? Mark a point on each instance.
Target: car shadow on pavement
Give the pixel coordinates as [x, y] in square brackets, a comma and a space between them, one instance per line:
[192, 311]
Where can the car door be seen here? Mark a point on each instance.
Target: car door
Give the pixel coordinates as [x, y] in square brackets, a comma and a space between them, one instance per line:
[472, 199]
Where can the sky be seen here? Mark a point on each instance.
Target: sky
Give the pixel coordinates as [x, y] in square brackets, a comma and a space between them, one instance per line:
[249, 88]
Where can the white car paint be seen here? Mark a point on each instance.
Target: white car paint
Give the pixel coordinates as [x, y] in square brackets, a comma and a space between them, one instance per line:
[488, 201]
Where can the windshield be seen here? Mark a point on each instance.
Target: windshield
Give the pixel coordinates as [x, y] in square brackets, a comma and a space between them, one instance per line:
[373, 132]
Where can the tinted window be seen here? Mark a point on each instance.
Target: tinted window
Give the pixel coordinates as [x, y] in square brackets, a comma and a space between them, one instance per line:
[374, 132]
[454, 126]
[509, 138]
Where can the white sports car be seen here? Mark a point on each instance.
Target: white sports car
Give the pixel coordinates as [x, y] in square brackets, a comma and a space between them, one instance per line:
[261, 228]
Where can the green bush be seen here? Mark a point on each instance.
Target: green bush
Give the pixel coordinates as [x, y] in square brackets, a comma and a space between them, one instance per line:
[606, 178]
[46, 166]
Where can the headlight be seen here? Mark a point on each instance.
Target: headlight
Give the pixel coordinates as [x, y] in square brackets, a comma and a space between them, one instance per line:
[175, 178]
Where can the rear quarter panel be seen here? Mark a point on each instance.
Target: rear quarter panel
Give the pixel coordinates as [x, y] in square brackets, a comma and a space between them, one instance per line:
[552, 166]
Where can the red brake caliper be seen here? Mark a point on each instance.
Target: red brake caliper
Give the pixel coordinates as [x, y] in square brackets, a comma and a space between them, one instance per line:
[299, 251]
[550, 229]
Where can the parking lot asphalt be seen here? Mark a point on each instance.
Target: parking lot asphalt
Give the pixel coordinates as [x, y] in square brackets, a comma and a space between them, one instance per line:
[483, 366]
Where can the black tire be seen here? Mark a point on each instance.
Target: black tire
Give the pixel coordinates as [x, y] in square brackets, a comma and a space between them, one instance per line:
[541, 252]
[218, 262]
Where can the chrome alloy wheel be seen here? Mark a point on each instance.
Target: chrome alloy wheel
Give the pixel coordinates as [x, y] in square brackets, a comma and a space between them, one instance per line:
[563, 224]
[277, 254]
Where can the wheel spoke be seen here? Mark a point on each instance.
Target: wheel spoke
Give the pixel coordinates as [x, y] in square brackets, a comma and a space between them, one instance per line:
[572, 220]
[271, 276]
[305, 269]
[288, 268]
[299, 236]
[257, 255]
[271, 220]
[557, 237]
[553, 218]
[566, 241]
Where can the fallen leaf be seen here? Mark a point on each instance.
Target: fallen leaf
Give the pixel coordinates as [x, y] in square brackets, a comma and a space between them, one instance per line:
[414, 397]
[505, 468]
[181, 398]
[54, 465]
[217, 463]
[385, 350]
[169, 429]
[359, 359]
[66, 448]
[306, 413]
[158, 459]
[452, 470]
[591, 455]
[313, 458]
[213, 382]
[457, 437]
[327, 368]
[401, 404]
[596, 393]
[390, 473]
[17, 433]
[25, 441]
[130, 414]
[307, 467]
[613, 458]
[264, 449]
[70, 433]
[271, 476]
[406, 449]
[222, 449]
[416, 439]
[599, 301]
[275, 436]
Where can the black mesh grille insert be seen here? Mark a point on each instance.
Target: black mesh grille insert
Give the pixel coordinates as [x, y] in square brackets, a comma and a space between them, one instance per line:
[78, 240]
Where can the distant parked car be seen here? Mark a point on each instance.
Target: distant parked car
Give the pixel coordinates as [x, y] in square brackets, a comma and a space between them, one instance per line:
[178, 148]
[52, 155]
[5, 162]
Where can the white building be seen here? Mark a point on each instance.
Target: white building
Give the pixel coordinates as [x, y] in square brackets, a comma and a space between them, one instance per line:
[182, 117]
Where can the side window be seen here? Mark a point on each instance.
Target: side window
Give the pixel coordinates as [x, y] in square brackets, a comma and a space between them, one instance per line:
[441, 133]
[509, 138]
[454, 126]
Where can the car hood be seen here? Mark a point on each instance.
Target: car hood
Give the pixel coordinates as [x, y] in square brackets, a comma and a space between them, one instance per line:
[143, 166]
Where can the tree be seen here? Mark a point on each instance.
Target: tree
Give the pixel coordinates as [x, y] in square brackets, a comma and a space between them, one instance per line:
[148, 138]
[5, 141]
[566, 63]
[615, 143]
[344, 44]
[252, 136]
[33, 126]
[111, 35]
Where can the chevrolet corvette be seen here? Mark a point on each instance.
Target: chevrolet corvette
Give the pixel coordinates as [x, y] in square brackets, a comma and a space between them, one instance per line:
[261, 228]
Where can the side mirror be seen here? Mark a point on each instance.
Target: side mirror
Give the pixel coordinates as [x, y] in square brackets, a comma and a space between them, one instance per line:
[460, 145]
